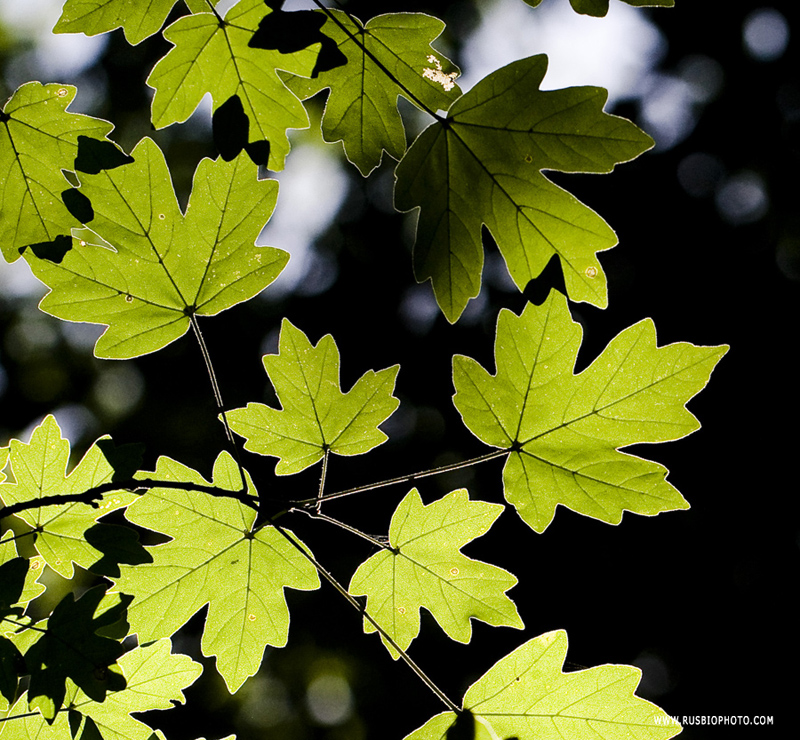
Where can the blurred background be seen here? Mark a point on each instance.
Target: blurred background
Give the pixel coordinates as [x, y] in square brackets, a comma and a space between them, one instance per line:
[709, 248]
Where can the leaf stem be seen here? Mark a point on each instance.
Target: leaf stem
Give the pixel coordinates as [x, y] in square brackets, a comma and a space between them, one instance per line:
[317, 515]
[405, 478]
[362, 610]
[218, 398]
[322, 476]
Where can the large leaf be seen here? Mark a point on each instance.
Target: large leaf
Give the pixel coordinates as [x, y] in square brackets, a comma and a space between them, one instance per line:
[138, 20]
[426, 568]
[39, 469]
[145, 269]
[564, 430]
[599, 8]
[482, 166]
[215, 558]
[526, 695]
[389, 56]
[38, 138]
[218, 58]
[316, 415]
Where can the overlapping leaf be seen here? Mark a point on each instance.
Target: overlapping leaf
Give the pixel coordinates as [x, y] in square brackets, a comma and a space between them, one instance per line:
[564, 431]
[426, 568]
[73, 648]
[599, 8]
[215, 558]
[526, 695]
[138, 20]
[39, 470]
[316, 415]
[389, 56]
[155, 678]
[38, 139]
[482, 166]
[144, 268]
[218, 58]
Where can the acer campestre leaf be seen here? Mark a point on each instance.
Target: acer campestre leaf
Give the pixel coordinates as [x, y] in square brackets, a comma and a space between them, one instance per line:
[564, 430]
[218, 58]
[71, 648]
[155, 679]
[527, 696]
[315, 415]
[38, 139]
[390, 55]
[144, 269]
[482, 165]
[39, 470]
[138, 20]
[599, 8]
[215, 558]
[426, 568]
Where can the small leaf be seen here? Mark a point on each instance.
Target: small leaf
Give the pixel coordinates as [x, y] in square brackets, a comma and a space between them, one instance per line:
[483, 165]
[39, 468]
[316, 415]
[389, 56]
[38, 139]
[144, 269]
[425, 568]
[215, 558]
[527, 695]
[564, 430]
[219, 58]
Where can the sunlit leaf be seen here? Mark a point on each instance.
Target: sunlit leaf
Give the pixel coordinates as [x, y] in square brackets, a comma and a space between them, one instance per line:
[598, 8]
[145, 268]
[137, 19]
[482, 165]
[564, 430]
[215, 558]
[219, 58]
[388, 56]
[527, 696]
[425, 567]
[39, 469]
[316, 415]
[38, 139]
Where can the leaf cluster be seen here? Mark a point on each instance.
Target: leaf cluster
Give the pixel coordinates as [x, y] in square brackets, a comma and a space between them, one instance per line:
[102, 229]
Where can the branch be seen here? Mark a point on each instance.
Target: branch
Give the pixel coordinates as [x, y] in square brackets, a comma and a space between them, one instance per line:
[137, 486]
[402, 479]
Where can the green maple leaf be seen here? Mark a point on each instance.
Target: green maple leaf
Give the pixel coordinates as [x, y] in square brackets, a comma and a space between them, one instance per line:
[426, 568]
[389, 56]
[38, 139]
[526, 695]
[599, 8]
[316, 415]
[145, 268]
[138, 20]
[217, 58]
[482, 166]
[563, 430]
[215, 558]
[155, 678]
[39, 469]
[72, 648]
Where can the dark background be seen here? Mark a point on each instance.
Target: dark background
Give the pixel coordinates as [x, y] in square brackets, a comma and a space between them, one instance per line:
[701, 599]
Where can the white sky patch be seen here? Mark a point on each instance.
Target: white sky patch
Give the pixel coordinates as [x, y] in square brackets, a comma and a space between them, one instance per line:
[615, 52]
[312, 189]
[55, 55]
